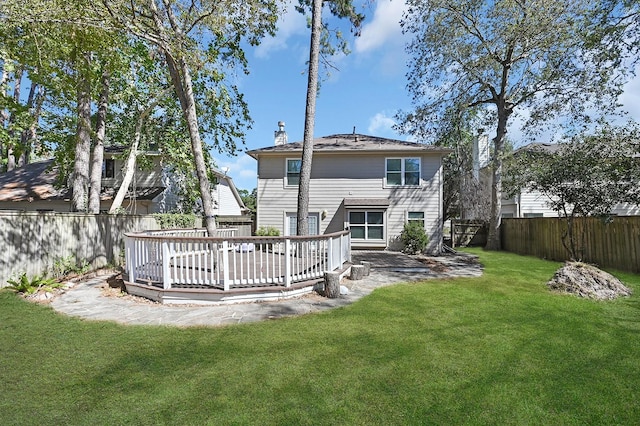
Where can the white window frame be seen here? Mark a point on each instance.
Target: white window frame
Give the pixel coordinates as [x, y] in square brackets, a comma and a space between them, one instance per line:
[293, 216]
[367, 226]
[403, 172]
[286, 172]
[422, 219]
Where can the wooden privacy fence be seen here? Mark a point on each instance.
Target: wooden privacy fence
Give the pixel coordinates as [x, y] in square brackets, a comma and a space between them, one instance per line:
[33, 241]
[614, 244]
[467, 233]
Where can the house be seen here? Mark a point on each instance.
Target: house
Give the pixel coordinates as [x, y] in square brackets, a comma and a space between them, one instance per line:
[529, 203]
[370, 185]
[34, 187]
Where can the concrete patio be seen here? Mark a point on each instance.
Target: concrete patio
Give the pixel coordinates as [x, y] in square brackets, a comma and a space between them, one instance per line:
[88, 299]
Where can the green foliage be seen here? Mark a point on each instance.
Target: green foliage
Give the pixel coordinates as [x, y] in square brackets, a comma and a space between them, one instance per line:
[413, 237]
[249, 199]
[28, 285]
[175, 220]
[64, 266]
[269, 231]
[586, 176]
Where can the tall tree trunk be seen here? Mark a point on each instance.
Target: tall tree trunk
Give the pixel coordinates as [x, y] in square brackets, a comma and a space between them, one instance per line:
[31, 134]
[4, 115]
[34, 103]
[127, 172]
[130, 165]
[98, 148]
[181, 80]
[309, 119]
[80, 180]
[493, 237]
[11, 148]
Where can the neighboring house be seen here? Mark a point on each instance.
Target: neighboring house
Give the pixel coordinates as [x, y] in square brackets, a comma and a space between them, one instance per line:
[226, 198]
[535, 204]
[367, 184]
[33, 188]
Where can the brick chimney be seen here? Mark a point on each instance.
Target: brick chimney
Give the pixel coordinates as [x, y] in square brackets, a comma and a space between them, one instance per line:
[481, 153]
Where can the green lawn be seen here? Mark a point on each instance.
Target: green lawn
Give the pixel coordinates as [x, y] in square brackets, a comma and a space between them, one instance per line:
[499, 349]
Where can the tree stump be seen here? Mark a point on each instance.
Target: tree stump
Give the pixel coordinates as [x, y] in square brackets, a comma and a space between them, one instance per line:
[357, 272]
[367, 267]
[331, 285]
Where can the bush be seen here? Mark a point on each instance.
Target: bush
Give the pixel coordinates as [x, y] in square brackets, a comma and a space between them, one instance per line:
[175, 220]
[64, 266]
[269, 231]
[414, 238]
[31, 285]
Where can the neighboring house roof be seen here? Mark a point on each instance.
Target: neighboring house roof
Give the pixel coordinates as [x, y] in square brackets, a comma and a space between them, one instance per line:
[36, 181]
[223, 175]
[351, 142]
[540, 146]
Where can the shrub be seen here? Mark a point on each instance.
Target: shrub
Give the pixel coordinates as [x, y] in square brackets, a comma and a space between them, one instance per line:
[414, 238]
[269, 231]
[30, 286]
[175, 220]
[64, 266]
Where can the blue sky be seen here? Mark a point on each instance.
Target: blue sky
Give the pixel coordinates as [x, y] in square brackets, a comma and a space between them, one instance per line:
[366, 91]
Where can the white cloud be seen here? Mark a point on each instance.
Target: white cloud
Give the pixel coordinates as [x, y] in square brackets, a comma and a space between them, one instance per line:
[381, 124]
[290, 24]
[242, 169]
[384, 28]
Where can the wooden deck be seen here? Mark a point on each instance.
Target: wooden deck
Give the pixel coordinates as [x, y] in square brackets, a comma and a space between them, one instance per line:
[162, 266]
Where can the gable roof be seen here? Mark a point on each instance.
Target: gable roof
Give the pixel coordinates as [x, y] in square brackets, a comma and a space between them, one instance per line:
[350, 142]
[37, 181]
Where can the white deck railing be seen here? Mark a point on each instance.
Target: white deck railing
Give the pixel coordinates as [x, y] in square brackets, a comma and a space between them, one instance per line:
[187, 258]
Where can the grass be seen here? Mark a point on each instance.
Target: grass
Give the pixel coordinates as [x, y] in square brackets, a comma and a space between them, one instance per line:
[499, 349]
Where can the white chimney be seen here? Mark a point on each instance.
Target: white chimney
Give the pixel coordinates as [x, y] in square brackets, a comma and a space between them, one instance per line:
[280, 135]
[481, 153]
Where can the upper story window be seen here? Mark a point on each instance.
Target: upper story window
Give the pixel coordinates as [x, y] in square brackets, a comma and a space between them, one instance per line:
[109, 168]
[403, 171]
[293, 172]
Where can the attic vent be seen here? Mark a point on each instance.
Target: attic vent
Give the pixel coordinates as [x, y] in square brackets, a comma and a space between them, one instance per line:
[280, 135]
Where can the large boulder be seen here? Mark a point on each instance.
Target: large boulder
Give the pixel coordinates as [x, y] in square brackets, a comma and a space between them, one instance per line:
[586, 280]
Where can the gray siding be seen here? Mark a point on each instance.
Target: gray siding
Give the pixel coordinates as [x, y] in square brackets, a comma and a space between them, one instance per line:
[335, 178]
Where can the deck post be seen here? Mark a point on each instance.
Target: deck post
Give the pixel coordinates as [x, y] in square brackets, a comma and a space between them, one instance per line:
[287, 263]
[166, 265]
[225, 264]
[330, 267]
[130, 256]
